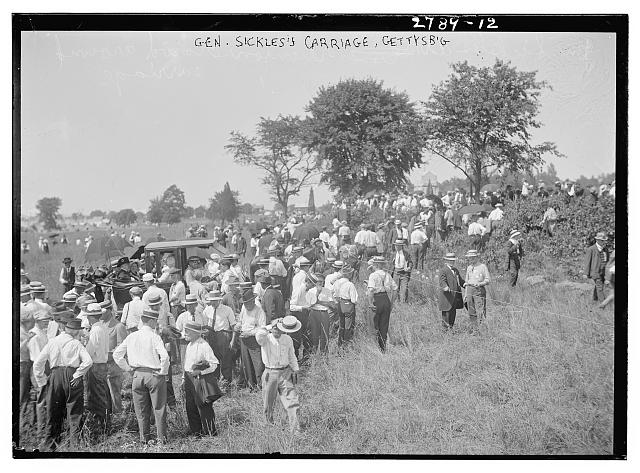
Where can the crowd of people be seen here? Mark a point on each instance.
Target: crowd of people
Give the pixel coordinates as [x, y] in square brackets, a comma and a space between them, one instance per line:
[226, 325]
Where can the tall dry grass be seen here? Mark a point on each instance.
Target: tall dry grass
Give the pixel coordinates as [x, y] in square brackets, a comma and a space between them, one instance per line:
[529, 382]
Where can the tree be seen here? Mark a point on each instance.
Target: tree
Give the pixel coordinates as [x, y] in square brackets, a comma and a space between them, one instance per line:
[155, 212]
[77, 216]
[169, 208]
[224, 205]
[367, 137]
[278, 150]
[48, 212]
[200, 211]
[311, 206]
[480, 120]
[97, 213]
[140, 216]
[188, 211]
[112, 215]
[125, 217]
[246, 208]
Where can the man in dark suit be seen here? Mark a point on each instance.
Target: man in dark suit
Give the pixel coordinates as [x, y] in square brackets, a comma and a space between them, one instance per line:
[450, 299]
[67, 274]
[514, 255]
[596, 259]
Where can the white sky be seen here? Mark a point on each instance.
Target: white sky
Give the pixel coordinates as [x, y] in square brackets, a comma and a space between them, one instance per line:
[111, 119]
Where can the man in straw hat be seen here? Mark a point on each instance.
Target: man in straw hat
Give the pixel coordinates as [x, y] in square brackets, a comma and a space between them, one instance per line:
[153, 292]
[67, 274]
[189, 315]
[331, 278]
[595, 262]
[221, 321]
[450, 298]
[381, 292]
[132, 310]
[514, 256]
[27, 322]
[117, 333]
[320, 302]
[272, 300]
[401, 269]
[97, 389]
[281, 368]
[199, 360]
[344, 294]
[477, 279]
[418, 245]
[149, 361]
[298, 306]
[36, 344]
[251, 318]
[69, 362]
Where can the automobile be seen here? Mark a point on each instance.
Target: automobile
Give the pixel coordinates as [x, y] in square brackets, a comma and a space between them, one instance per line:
[176, 254]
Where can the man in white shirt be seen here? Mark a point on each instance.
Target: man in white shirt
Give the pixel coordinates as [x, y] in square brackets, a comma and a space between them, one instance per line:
[69, 361]
[221, 321]
[346, 296]
[36, 344]
[189, 315]
[333, 277]
[132, 310]
[343, 231]
[402, 266]
[149, 361]
[98, 395]
[177, 292]
[497, 213]
[324, 235]
[418, 245]
[321, 304]
[476, 231]
[281, 368]
[251, 318]
[199, 360]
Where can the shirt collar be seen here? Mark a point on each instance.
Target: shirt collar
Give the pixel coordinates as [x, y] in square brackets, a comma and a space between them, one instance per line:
[599, 246]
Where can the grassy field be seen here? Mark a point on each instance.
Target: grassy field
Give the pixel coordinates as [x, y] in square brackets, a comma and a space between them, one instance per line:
[531, 382]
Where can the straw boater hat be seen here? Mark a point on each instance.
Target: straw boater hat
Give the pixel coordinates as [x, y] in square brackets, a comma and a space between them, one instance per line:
[147, 277]
[417, 225]
[303, 262]
[263, 262]
[514, 233]
[106, 304]
[36, 287]
[154, 300]
[135, 291]
[346, 271]
[215, 256]
[150, 314]
[248, 296]
[94, 310]
[331, 260]
[338, 264]
[195, 327]
[190, 299]
[377, 260]
[312, 277]
[214, 296]
[601, 236]
[261, 274]
[71, 297]
[25, 290]
[471, 254]
[289, 324]
[450, 257]
[499, 204]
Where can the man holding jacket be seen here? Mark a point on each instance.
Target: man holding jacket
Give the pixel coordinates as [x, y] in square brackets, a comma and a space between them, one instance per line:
[451, 284]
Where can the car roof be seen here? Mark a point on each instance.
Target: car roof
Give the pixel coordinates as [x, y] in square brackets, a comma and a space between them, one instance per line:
[193, 242]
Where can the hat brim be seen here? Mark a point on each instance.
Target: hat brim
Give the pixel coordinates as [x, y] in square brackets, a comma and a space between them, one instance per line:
[282, 328]
[450, 259]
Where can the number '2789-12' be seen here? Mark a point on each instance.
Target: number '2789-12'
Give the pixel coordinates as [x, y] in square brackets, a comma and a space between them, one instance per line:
[450, 23]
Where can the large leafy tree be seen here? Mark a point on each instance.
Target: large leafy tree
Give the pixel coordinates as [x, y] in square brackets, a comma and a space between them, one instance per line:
[480, 120]
[169, 207]
[277, 150]
[367, 137]
[48, 212]
[125, 217]
[224, 205]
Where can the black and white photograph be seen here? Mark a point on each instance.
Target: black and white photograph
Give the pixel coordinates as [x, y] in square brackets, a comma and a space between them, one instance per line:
[321, 236]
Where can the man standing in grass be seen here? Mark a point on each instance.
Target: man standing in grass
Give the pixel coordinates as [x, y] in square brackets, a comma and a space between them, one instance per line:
[514, 255]
[477, 279]
[596, 260]
[281, 368]
[381, 294]
[451, 284]
[148, 359]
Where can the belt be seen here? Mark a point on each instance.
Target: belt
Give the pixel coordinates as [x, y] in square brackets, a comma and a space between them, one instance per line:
[380, 293]
[277, 369]
[372, 247]
[61, 367]
[144, 369]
